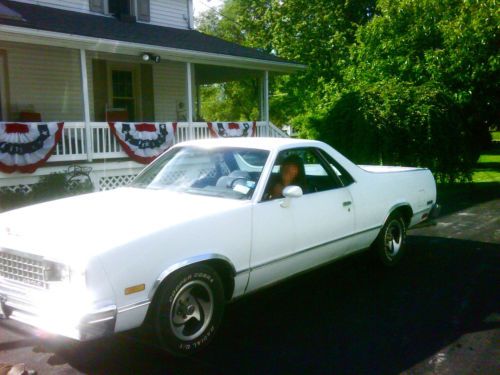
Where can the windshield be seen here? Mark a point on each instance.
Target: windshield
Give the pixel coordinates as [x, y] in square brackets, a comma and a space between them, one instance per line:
[222, 172]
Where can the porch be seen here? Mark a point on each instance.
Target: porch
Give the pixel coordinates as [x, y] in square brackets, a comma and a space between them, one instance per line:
[92, 75]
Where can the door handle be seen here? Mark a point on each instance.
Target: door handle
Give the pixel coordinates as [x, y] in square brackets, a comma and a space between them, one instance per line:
[346, 203]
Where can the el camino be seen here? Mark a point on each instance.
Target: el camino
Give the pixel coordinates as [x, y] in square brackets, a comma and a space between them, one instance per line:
[207, 222]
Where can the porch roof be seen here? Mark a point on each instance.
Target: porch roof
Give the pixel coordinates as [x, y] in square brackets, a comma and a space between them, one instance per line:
[98, 31]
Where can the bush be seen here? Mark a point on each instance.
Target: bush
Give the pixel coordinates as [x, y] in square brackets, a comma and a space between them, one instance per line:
[49, 187]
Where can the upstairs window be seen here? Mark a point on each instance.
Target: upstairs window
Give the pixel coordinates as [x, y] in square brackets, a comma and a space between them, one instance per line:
[135, 8]
[119, 7]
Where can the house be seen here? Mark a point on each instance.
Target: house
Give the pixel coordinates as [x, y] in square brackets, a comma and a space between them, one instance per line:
[88, 62]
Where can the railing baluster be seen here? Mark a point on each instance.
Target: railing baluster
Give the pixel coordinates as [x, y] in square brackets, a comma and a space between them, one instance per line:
[63, 139]
[108, 135]
[70, 139]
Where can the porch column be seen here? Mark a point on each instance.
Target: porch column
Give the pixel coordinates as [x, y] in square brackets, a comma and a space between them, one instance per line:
[198, 101]
[189, 71]
[266, 102]
[86, 108]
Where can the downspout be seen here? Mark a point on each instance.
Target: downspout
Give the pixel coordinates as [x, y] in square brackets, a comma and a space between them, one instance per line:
[190, 14]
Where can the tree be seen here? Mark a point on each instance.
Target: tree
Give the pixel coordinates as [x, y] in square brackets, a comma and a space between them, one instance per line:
[393, 81]
[421, 80]
[233, 100]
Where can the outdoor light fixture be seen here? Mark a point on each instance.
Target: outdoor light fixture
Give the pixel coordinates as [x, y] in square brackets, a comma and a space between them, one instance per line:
[145, 56]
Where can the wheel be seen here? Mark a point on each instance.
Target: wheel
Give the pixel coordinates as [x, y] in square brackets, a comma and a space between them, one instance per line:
[189, 310]
[390, 244]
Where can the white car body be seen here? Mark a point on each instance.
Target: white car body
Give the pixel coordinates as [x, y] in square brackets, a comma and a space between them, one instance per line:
[120, 245]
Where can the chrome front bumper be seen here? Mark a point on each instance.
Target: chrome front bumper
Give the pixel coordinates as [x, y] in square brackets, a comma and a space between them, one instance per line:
[35, 308]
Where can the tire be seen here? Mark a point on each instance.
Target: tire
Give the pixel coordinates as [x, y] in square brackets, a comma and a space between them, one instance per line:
[189, 310]
[390, 245]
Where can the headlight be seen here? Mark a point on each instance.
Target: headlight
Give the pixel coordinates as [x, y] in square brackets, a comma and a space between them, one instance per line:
[57, 272]
[62, 274]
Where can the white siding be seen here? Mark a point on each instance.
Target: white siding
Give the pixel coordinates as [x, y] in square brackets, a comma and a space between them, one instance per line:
[76, 5]
[171, 13]
[170, 89]
[45, 80]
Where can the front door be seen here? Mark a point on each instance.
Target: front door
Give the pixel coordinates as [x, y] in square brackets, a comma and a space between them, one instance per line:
[310, 230]
[124, 90]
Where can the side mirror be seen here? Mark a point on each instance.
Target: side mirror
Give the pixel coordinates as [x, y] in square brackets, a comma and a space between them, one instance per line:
[292, 191]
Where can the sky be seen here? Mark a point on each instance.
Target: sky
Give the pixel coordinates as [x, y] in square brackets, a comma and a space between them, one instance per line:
[202, 5]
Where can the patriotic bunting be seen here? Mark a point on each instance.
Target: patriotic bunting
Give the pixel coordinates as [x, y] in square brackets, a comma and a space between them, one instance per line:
[25, 147]
[232, 129]
[144, 142]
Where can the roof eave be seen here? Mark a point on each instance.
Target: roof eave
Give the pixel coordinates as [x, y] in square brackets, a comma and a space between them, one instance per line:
[51, 38]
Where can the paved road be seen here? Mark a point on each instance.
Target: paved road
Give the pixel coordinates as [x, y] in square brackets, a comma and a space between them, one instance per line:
[438, 313]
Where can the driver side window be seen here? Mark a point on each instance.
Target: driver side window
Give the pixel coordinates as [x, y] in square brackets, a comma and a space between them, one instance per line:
[302, 167]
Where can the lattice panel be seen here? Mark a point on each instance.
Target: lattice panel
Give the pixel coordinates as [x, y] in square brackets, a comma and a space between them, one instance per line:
[113, 182]
[18, 189]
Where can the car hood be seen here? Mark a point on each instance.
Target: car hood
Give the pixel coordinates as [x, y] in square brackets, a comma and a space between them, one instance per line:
[77, 228]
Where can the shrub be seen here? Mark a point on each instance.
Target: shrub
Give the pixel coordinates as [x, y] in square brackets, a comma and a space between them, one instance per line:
[49, 187]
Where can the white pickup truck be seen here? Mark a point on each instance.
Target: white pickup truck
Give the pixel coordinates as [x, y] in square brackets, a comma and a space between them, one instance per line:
[207, 222]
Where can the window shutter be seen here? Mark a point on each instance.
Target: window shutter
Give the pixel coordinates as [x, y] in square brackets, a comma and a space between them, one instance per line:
[96, 6]
[143, 10]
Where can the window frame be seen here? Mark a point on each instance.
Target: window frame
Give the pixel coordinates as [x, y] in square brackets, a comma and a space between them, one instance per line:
[323, 155]
[320, 159]
[133, 6]
[136, 88]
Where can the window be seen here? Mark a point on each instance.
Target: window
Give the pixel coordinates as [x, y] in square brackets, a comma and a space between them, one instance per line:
[123, 92]
[303, 167]
[211, 172]
[118, 8]
[340, 171]
[123, 89]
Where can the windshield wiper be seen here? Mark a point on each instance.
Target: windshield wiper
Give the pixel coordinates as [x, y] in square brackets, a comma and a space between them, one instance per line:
[205, 192]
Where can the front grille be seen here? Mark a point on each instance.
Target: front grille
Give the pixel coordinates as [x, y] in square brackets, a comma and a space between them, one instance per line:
[22, 269]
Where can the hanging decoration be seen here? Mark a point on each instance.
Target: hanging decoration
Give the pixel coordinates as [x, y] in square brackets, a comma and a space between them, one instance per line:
[24, 147]
[232, 129]
[146, 141]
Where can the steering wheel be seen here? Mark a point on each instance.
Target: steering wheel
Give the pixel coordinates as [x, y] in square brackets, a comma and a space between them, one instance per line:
[233, 182]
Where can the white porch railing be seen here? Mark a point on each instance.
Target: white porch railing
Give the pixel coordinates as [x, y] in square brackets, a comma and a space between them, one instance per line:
[104, 145]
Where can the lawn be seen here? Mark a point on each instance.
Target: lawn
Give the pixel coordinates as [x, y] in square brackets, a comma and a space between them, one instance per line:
[488, 166]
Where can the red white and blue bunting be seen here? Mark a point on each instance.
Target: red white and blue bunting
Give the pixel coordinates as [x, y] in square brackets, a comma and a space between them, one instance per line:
[232, 129]
[146, 141]
[24, 147]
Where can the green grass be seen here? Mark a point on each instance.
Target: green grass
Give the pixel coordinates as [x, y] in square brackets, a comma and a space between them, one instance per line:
[482, 176]
[495, 136]
[489, 158]
[488, 166]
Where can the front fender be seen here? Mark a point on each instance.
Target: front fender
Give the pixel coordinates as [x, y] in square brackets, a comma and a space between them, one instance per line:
[187, 262]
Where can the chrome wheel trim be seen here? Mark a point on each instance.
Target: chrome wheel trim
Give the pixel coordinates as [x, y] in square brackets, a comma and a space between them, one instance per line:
[393, 239]
[192, 310]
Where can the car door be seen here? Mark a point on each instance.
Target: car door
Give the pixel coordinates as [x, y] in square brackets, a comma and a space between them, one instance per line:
[310, 230]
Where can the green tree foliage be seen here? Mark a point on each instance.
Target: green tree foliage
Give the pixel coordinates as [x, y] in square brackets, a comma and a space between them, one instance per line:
[233, 100]
[388, 81]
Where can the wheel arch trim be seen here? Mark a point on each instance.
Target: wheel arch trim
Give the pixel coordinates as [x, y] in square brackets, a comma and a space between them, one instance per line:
[396, 207]
[187, 262]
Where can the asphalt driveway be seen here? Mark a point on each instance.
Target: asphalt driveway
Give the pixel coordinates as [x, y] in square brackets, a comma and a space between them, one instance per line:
[437, 313]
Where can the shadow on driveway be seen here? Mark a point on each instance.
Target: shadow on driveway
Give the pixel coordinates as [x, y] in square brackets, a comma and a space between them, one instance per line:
[349, 317]
[456, 197]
